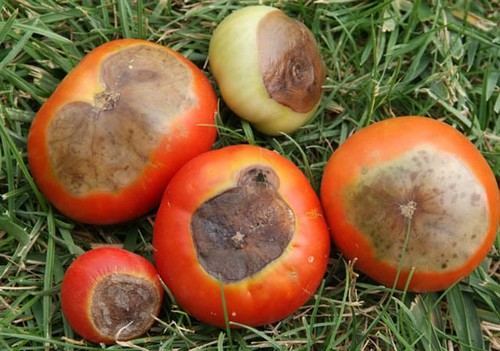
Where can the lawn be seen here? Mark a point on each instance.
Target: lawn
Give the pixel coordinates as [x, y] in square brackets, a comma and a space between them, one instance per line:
[436, 58]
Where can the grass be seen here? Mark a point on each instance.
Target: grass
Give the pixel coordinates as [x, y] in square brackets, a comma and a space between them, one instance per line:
[387, 58]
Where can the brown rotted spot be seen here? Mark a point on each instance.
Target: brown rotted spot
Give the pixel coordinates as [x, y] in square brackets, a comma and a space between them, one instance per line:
[290, 62]
[123, 306]
[240, 231]
[426, 202]
[104, 146]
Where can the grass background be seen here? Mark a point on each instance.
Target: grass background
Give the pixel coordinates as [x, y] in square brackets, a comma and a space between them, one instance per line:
[436, 58]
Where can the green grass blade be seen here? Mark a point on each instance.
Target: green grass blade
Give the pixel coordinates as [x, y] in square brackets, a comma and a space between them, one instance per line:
[124, 18]
[35, 28]
[8, 225]
[425, 317]
[465, 319]
[15, 50]
[10, 147]
[6, 28]
[48, 278]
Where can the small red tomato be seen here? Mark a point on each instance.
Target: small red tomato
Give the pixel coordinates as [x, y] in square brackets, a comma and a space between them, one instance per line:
[243, 220]
[105, 144]
[411, 194]
[110, 294]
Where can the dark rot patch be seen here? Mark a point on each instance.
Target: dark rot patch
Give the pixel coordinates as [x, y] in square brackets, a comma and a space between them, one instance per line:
[240, 231]
[123, 306]
[430, 196]
[104, 145]
[290, 62]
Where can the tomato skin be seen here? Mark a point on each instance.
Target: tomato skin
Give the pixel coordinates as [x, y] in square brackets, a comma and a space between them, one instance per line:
[368, 149]
[279, 288]
[84, 274]
[190, 134]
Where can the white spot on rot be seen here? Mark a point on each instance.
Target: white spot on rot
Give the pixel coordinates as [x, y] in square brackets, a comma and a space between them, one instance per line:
[408, 209]
[310, 259]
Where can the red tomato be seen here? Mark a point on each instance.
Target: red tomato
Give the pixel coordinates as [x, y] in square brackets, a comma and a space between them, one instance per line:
[105, 144]
[111, 294]
[415, 195]
[243, 220]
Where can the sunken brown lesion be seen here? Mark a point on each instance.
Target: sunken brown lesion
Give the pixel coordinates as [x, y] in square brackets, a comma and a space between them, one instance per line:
[290, 62]
[105, 145]
[240, 231]
[123, 306]
[427, 195]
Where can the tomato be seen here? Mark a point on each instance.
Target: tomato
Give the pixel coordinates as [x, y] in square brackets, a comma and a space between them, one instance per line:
[103, 147]
[268, 67]
[241, 225]
[111, 294]
[411, 194]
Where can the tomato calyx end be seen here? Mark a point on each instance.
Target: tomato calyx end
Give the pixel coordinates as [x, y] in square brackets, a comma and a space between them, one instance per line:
[106, 101]
[408, 209]
[238, 240]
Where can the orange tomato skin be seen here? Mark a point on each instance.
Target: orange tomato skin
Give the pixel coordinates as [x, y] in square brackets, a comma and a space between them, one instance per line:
[391, 138]
[271, 294]
[83, 275]
[190, 134]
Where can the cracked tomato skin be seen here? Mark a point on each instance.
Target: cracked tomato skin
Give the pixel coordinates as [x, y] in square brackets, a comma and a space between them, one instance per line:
[103, 147]
[269, 293]
[411, 193]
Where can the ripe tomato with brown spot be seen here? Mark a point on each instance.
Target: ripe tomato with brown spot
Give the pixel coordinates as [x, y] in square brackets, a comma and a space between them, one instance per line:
[110, 294]
[103, 147]
[411, 194]
[242, 226]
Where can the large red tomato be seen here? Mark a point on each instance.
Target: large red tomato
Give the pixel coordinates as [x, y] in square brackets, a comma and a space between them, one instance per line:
[411, 194]
[105, 144]
[244, 221]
